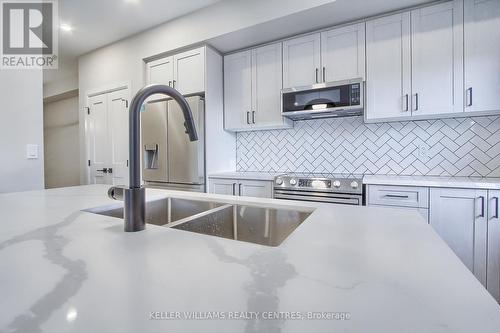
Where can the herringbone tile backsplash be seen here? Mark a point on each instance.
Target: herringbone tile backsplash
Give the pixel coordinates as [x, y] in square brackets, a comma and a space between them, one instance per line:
[448, 147]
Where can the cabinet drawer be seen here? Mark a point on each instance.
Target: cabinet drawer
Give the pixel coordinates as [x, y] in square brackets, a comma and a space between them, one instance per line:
[403, 196]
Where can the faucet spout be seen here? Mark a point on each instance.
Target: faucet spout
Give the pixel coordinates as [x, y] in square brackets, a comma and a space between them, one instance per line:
[134, 195]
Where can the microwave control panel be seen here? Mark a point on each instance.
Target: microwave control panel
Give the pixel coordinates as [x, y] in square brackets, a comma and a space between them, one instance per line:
[355, 94]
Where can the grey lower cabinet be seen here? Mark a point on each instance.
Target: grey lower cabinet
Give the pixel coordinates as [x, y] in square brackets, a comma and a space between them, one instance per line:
[493, 261]
[467, 220]
[406, 197]
[240, 187]
[459, 217]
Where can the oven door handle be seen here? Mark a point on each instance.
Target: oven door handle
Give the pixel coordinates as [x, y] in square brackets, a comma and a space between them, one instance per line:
[326, 199]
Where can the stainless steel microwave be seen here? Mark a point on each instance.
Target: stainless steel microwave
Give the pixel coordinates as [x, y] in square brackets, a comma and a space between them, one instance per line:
[324, 100]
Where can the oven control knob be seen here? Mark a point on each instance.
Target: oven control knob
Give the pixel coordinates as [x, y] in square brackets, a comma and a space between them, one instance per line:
[336, 184]
[279, 181]
[354, 185]
[293, 181]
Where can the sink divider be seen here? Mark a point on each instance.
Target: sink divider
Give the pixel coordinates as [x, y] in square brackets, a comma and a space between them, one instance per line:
[193, 217]
[235, 223]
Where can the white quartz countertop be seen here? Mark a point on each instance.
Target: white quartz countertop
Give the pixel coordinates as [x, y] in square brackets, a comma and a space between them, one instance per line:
[433, 181]
[65, 270]
[246, 175]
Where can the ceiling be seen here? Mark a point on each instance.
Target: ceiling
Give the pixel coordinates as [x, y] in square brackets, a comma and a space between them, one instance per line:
[99, 22]
[333, 13]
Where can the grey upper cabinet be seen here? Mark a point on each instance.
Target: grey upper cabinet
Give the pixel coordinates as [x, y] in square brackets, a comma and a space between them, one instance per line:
[183, 71]
[333, 55]
[459, 216]
[437, 59]
[482, 54]
[252, 89]
[343, 53]
[160, 71]
[415, 63]
[493, 276]
[302, 61]
[237, 90]
[189, 71]
[267, 76]
[388, 72]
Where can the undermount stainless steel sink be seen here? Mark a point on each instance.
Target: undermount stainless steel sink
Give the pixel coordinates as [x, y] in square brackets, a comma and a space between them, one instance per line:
[265, 226]
[164, 211]
[253, 224]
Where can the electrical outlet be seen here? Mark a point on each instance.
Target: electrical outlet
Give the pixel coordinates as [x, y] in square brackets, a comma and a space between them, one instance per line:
[422, 151]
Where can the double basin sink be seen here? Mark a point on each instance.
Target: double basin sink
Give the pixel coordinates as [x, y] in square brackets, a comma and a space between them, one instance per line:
[254, 224]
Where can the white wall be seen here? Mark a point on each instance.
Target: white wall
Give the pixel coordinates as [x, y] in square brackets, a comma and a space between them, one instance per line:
[21, 123]
[123, 60]
[61, 143]
[61, 80]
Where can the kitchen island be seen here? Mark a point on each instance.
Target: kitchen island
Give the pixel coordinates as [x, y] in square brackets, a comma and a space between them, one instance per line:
[351, 268]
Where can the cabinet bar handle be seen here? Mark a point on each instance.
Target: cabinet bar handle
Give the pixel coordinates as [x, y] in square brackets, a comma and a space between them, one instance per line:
[397, 196]
[482, 206]
[324, 74]
[173, 83]
[496, 208]
[317, 73]
[234, 188]
[469, 96]
[253, 117]
[248, 117]
[405, 109]
[239, 189]
[416, 102]
[170, 83]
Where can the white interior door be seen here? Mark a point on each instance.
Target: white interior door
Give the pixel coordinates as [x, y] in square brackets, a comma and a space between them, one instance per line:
[388, 81]
[437, 59]
[189, 71]
[343, 53]
[118, 136]
[108, 138]
[266, 86]
[301, 61]
[482, 54]
[98, 139]
[237, 90]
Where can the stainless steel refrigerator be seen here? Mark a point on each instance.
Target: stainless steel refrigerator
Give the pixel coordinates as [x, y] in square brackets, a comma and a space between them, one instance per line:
[169, 159]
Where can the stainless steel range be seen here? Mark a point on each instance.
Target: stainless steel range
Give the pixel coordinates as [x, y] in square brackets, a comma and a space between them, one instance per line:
[341, 189]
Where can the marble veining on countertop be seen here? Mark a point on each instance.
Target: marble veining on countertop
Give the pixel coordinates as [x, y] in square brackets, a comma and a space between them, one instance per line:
[433, 181]
[66, 270]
